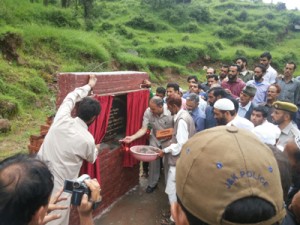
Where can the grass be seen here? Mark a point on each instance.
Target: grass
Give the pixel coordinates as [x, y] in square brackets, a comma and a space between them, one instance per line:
[157, 41]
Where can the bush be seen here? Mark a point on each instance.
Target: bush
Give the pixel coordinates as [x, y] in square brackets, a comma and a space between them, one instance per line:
[225, 20]
[185, 38]
[201, 14]
[9, 107]
[60, 18]
[181, 54]
[36, 84]
[243, 16]
[176, 15]
[191, 27]
[106, 26]
[228, 32]
[271, 25]
[140, 22]
[261, 38]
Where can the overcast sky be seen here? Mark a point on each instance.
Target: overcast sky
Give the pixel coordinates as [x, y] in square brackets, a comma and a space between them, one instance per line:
[290, 4]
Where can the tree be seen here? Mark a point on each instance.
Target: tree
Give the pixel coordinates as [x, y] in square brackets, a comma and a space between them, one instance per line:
[87, 7]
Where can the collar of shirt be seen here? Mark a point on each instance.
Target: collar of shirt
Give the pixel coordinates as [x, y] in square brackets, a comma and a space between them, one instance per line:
[178, 114]
[81, 122]
[244, 72]
[246, 107]
[287, 129]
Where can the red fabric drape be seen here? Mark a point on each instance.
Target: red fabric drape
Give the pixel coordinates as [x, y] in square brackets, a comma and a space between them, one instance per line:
[137, 103]
[98, 129]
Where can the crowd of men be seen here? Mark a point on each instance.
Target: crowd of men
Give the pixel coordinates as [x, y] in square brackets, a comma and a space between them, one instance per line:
[232, 156]
[256, 107]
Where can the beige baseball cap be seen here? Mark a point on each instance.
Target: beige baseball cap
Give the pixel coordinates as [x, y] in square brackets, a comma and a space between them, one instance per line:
[221, 165]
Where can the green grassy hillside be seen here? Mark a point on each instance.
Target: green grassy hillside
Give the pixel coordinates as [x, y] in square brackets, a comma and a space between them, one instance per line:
[164, 38]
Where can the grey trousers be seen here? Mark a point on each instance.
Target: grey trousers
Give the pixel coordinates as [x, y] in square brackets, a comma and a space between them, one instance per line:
[154, 172]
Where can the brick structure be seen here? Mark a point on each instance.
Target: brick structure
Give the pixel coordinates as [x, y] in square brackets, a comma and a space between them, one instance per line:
[37, 140]
[115, 179]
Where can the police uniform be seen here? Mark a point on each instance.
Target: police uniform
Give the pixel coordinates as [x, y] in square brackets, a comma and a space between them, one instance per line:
[291, 130]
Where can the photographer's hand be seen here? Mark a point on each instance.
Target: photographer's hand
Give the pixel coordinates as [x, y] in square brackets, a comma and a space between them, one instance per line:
[85, 209]
[53, 206]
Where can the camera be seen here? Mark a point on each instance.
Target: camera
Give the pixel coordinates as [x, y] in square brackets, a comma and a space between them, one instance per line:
[77, 188]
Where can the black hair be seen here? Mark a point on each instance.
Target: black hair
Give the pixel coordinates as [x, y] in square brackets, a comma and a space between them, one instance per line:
[191, 77]
[249, 210]
[243, 211]
[237, 66]
[291, 62]
[262, 109]
[173, 85]
[174, 100]
[242, 58]
[218, 91]
[88, 108]
[161, 90]
[214, 76]
[26, 184]
[225, 66]
[267, 55]
[262, 67]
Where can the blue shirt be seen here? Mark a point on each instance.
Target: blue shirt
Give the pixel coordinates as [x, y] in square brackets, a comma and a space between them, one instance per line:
[198, 120]
[261, 91]
[210, 120]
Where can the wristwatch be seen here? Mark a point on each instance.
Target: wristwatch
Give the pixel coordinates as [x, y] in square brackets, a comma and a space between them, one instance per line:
[96, 204]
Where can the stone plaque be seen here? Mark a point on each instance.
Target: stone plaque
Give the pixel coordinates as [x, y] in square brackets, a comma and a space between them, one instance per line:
[117, 119]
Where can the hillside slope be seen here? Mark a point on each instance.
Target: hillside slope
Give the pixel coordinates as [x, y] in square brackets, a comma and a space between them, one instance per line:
[164, 38]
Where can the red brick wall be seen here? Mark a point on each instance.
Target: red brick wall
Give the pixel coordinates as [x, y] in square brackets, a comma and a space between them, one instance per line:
[115, 180]
[108, 82]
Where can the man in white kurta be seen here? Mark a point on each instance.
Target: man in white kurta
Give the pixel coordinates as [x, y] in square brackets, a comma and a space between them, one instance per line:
[68, 143]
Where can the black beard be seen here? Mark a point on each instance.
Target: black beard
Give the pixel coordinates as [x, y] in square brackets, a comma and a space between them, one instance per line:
[257, 78]
[221, 121]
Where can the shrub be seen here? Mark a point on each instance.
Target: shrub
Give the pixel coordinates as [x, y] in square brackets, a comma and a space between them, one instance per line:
[225, 20]
[60, 18]
[228, 32]
[176, 15]
[9, 107]
[261, 38]
[271, 25]
[243, 16]
[36, 84]
[201, 14]
[140, 22]
[185, 38]
[219, 45]
[106, 26]
[181, 54]
[191, 27]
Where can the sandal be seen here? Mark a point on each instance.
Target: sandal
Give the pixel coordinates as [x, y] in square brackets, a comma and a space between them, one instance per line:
[167, 221]
[166, 213]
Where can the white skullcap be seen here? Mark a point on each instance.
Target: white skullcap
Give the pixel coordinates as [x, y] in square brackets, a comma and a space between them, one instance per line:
[224, 104]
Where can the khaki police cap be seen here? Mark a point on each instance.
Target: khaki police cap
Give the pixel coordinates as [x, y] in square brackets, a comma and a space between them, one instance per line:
[286, 106]
[221, 165]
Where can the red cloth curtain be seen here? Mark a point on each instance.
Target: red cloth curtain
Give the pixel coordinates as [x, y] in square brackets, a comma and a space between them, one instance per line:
[98, 129]
[137, 103]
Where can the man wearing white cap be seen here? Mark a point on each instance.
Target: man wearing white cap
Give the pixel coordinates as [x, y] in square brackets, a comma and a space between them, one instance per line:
[225, 114]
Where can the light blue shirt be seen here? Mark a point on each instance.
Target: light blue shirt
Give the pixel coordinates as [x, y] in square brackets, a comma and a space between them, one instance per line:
[261, 91]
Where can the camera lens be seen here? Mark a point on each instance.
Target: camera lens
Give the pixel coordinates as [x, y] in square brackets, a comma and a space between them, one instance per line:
[76, 184]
